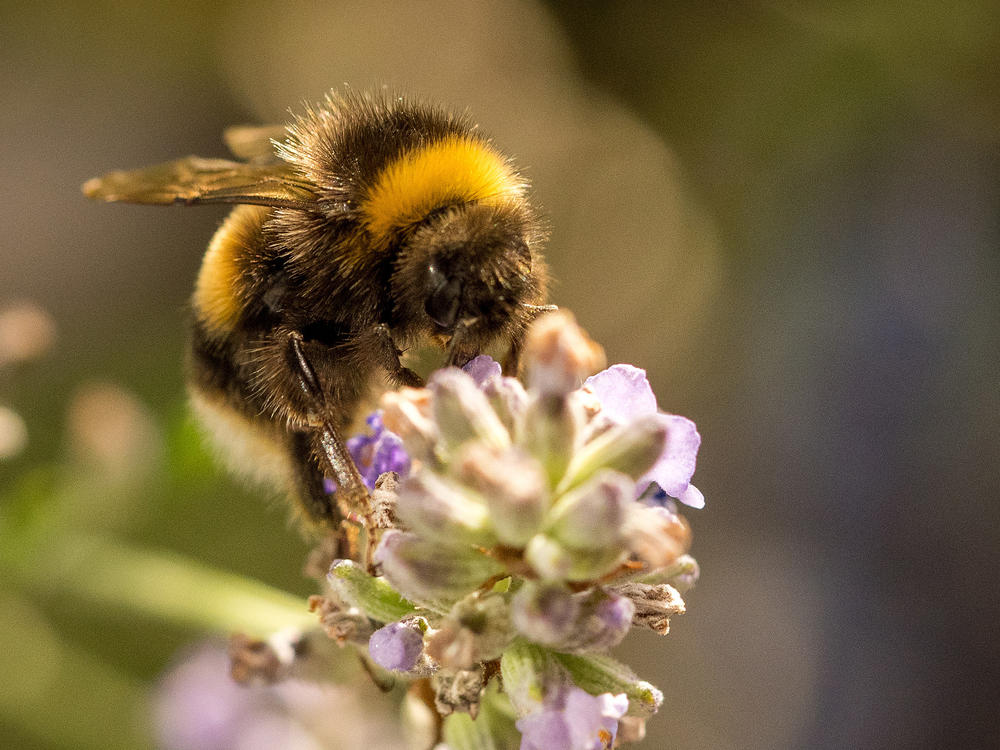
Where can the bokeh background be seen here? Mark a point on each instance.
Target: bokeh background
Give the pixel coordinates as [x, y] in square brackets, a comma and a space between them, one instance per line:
[787, 212]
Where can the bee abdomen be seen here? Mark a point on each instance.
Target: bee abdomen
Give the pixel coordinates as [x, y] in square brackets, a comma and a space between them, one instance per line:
[221, 294]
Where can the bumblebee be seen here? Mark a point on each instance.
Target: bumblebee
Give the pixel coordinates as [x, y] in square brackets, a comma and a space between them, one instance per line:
[368, 225]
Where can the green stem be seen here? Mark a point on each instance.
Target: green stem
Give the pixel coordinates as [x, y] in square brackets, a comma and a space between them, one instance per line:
[164, 585]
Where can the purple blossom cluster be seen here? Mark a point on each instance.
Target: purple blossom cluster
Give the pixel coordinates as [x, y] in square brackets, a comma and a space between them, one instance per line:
[523, 535]
[375, 453]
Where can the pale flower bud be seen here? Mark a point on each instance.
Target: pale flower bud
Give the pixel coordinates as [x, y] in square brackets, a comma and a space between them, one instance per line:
[512, 485]
[656, 535]
[407, 412]
[559, 355]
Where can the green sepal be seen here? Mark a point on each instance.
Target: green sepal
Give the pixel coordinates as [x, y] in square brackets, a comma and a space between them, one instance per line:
[373, 596]
[525, 669]
[598, 674]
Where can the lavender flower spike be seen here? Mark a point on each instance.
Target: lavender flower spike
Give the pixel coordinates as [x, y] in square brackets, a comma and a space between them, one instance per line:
[625, 394]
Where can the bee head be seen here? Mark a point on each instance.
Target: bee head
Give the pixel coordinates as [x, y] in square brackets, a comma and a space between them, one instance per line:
[469, 265]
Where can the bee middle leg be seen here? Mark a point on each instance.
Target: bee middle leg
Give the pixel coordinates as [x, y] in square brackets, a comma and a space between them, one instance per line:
[310, 486]
[326, 442]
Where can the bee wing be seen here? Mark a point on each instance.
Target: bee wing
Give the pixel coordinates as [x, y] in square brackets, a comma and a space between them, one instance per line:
[194, 180]
[253, 143]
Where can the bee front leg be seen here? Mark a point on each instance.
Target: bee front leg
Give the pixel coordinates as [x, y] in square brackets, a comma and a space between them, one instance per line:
[379, 339]
[463, 345]
[512, 361]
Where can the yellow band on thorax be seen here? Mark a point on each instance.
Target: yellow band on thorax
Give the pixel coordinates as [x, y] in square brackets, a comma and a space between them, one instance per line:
[456, 168]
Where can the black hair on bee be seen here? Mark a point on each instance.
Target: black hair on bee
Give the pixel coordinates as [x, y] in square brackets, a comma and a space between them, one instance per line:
[369, 224]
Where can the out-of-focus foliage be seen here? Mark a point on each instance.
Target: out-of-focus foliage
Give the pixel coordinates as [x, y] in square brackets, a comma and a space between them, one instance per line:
[785, 212]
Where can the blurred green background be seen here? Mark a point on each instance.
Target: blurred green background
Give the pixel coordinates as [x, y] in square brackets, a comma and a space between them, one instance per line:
[787, 212]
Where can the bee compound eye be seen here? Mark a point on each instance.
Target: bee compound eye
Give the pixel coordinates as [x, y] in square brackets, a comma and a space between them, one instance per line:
[443, 300]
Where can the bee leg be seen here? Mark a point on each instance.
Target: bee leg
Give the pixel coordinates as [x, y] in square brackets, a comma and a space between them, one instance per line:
[512, 362]
[327, 442]
[459, 349]
[309, 485]
[380, 339]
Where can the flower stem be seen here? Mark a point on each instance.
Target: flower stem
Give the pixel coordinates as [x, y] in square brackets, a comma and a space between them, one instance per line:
[163, 585]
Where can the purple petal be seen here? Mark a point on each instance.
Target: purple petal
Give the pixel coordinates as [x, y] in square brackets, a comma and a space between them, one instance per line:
[389, 455]
[692, 497]
[356, 446]
[197, 706]
[593, 719]
[378, 452]
[397, 646]
[545, 730]
[674, 468]
[572, 719]
[482, 369]
[624, 393]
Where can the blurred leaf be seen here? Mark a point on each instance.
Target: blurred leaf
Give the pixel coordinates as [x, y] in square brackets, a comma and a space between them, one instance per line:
[59, 695]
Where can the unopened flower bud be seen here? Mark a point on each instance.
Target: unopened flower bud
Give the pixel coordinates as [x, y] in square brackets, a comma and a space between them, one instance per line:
[440, 509]
[631, 449]
[549, 559]
[462, 412]
[512, 485]
[509, 400]
[550, 433]
[552, 560]
[431, 573]
[558, 355]
[656, 535]
[407, 412]
[607, 620]
[398, 646]
[591, 516]
[593, 620]
[544, 613]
